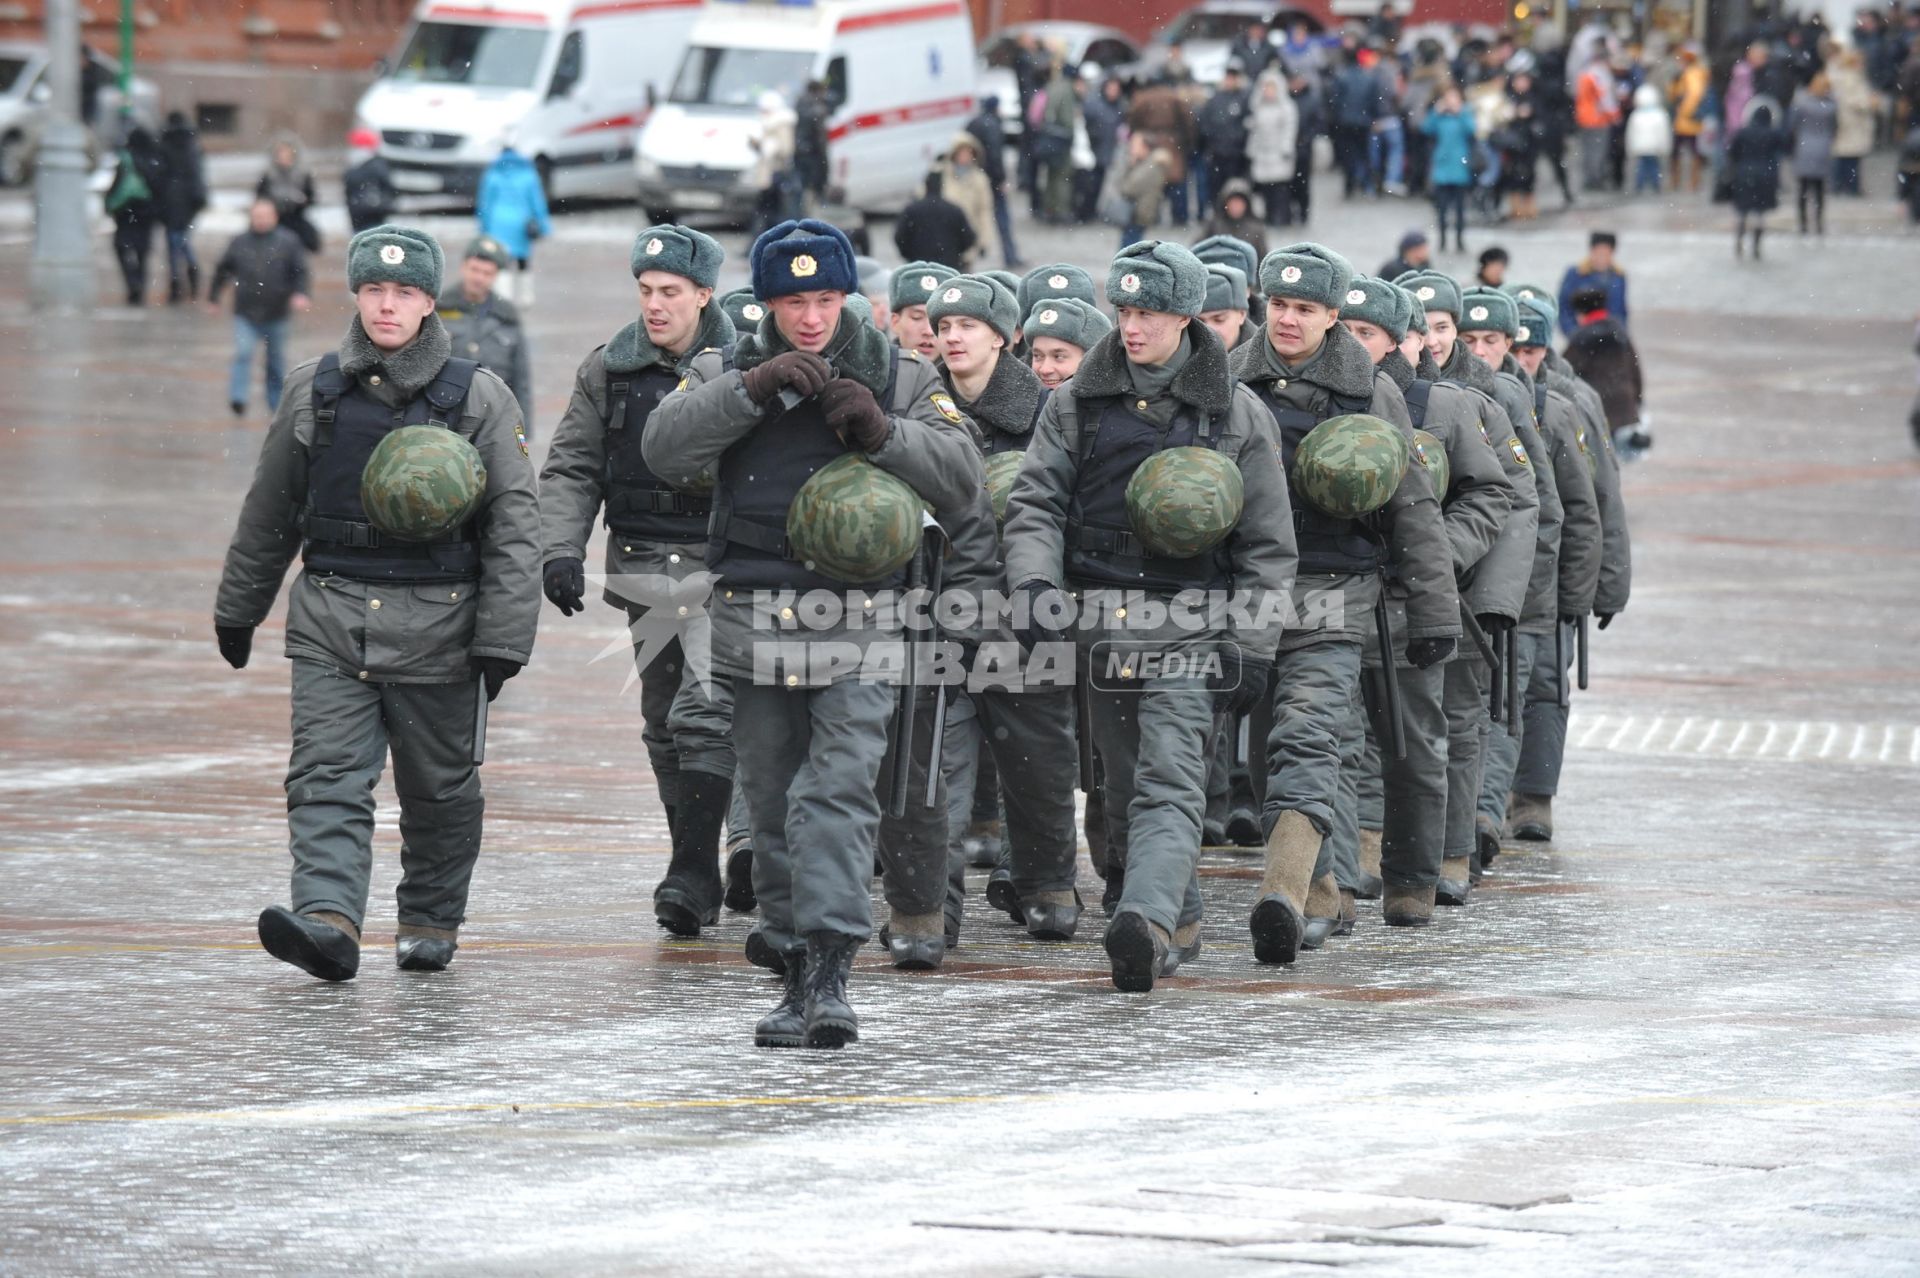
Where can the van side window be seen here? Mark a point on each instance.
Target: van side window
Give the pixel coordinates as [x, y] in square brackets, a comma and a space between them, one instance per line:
[837, 82]
[568, 67]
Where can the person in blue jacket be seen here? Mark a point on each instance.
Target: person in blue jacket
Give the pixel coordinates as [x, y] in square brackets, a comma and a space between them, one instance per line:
[1597, 271]
[512, 208]
[1450, 172]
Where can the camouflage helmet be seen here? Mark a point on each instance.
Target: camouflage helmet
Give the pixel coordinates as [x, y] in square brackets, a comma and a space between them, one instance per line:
[1183, 502]
[421, 482]
[1431, 453]
[1001, 468]
[853, 521]
[1350, 466]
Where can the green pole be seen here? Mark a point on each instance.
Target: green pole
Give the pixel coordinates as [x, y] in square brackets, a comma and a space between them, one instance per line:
[126, 54]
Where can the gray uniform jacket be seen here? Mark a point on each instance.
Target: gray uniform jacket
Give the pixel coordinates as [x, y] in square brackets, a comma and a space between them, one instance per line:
[1478, 496]
[1514, 405]
[1497, 583]
[573, 478]
[392, 633]
[1579, 566]
[1616, 549]
[1418, 553]
[1261, 551]
[931, 446]
[491, 333]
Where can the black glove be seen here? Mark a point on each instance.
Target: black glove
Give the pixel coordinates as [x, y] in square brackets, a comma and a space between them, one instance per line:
[1492, 624]
[804, 371]
[1240, 684]
[1044, 602]
[1604, 618]
[495, 670]
[1571, 619]
[852, 410]
[565, 581]
[236, 644]
[1428, 652]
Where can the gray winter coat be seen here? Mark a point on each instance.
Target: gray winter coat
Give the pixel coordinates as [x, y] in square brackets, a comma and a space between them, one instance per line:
[1578, 571]
[491, 333]
[1813, 122]
[1616, 549]
[1261, 549]
[392, 633]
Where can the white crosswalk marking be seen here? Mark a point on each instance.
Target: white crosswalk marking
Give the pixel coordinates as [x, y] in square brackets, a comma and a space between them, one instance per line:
[1895, 745]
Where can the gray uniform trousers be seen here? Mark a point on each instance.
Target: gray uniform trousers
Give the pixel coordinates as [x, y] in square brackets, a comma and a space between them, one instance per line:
[687, 728]
[343, 728]
[1341, 848]
[1468, 725]
[1154, 742]
[1531, 655]
[1028, 738]
[1543, 726]
[810, 762]
[1405, 799]
[1311, 692]
[913, 846]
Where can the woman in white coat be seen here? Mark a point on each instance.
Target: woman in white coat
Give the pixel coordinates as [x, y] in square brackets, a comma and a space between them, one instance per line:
[1272, 134]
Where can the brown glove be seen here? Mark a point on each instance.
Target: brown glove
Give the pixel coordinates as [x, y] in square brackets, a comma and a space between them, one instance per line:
[852, 410]
[806, 373]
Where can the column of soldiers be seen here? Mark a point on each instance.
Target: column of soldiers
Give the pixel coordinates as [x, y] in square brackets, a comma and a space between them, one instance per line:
[1273, 553]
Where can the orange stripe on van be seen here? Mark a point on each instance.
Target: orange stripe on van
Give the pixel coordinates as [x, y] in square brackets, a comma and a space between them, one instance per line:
[895, 17]
[914, 114]
[470, 13]
[614, 8]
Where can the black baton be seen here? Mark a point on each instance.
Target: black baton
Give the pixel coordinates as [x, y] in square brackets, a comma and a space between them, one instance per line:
[1513, 683]
[1390, 677]
[1560, 662]
[479, 721]
[1580, 650]
[936, 554]
[908, 698]
[1083, 728]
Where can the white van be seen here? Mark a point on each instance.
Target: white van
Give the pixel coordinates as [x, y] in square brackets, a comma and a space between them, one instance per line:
[571, 78]
[901, 73]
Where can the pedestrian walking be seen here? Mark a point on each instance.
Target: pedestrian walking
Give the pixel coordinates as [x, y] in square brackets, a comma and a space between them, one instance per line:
[1309, 106]
[267, 266]
[1059, 124]
[933, 228]
[416, 600]
[1450, 133]
[289, 184]
[1223, 129]
[1596, 110]
[182, 196]
[1144, 184]
[512, 210]
[964, 183]
[133, 203]
[988, 131]
[1813, 121]
[1237, 213]
[367, 182]
[1753, 157]
[1597, 270]
[1688, 94]
[1649, 139]
[1859, 108]
[812, 120]
[1603, 355]
[1272, 132]
[485, 327]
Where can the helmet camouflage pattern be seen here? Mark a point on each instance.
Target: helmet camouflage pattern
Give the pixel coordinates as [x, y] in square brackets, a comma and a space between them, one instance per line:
[853, 521]
[1431, 453]
[1001, 468]
[1350, 466]
[1183, 502]
[421, 482]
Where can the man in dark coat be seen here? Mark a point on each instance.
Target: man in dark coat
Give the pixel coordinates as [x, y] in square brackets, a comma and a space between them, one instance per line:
[934, 229]
[180, 198]
[986, 129]
[810, 138]
[1602, 353]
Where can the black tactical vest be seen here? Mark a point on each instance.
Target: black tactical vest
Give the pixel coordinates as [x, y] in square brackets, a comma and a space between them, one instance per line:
[757, 480]
[640, 504]
[348, 424]
[1418, 394]
[1327, 544]
[994, 440]
[1101, 546]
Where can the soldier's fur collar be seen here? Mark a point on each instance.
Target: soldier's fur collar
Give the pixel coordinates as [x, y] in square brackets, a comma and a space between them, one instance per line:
[454, 300]
[1468, 369]
[1557, 364]
[1204, 382]
[411, 369]
[632, 350]
[1010, 400]
[1341, 365]
[1396, 368]
[1426, 370]
[1511, 367]
[857, 350]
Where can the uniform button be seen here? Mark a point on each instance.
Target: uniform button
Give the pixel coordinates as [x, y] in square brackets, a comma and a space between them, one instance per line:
[1141, 405]
[1126, 672]
[673, 559]
[729, 594]
[786, 614]
[373, 603]
[869, 603]
[374, 380]
[1120, 613]
[453, 594]
[363, 674]
[1281, 382]
[627, 549]
[793, 681]
[683, 610]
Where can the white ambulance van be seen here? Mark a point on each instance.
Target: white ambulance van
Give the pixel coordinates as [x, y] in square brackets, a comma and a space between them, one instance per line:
[901, 73]
[571, 78]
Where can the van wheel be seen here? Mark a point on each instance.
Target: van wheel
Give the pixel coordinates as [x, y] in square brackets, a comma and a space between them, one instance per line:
[16, 160]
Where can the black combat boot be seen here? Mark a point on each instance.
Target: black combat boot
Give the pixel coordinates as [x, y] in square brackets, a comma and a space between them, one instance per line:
[1116, 884]
[786, 1024]
[915, 942]
[419, 948]
[760, 953]
[739, 895]
[321, 944]
[1000, 893]
[688, 898]
[1052, 916]
[830, 1019]
[1137, 950]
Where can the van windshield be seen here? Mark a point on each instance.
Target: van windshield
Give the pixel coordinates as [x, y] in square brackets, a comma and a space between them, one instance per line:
[10, 69]
[737, 77]
[485, 57]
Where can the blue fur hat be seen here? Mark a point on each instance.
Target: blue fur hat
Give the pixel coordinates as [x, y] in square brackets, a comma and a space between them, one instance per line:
[800, 257]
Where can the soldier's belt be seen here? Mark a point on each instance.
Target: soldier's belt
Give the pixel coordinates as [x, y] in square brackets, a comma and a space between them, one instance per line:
[746, 532]
[654, 501]
[362, 536]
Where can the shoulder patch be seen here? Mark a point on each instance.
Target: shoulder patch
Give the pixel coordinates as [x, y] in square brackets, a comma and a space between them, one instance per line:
[944, 405]
[448, 312]
[520, 436]
[1485, 438]
[686, 379]
[1519, 452]
[913, 355]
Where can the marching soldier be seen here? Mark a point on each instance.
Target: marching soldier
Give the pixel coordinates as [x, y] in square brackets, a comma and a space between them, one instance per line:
[485, 327]
[818, 417]
[1226, 312]
[1309, 369]
[912, 287]
[742, 311]
[1155, 393]
[406, 610]
[656, 550]
[1059, 333]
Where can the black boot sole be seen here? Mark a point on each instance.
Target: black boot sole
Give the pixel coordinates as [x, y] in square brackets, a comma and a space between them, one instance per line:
[1447, 892]
[917, 955]
[1532, 833]
[1277, 929]
[740, 898]
[1110, 894]
[832, 1033]
[1002, 897]
[1129, 945]
[1489, 845]
[761, 954]
[677, 911]
[1055, 925]
[287, 939]
[780, 1039]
